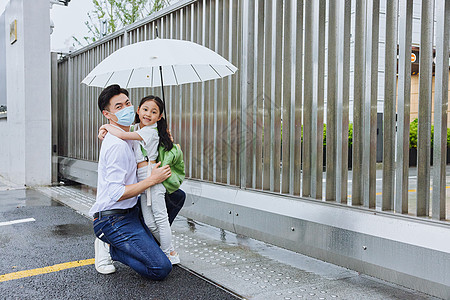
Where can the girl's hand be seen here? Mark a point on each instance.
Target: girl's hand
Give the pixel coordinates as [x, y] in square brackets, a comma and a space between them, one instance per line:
[101, 134]
[102, 131]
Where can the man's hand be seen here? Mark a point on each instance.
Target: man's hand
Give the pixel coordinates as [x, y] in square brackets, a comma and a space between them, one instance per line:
[159, 174]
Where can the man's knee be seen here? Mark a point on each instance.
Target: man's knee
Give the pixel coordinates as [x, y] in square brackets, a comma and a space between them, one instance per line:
[162, 272]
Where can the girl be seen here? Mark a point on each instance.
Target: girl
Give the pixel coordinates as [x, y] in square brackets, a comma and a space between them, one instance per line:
[150, 132]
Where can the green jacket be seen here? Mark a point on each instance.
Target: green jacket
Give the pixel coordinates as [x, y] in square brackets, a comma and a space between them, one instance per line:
[173, 158]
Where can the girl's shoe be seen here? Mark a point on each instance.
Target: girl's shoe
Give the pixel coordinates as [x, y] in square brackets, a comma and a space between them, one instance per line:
[174, 259]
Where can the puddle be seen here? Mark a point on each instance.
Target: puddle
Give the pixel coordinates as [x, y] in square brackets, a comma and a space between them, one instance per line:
[72, 230]
[12, 199]
[4, 240]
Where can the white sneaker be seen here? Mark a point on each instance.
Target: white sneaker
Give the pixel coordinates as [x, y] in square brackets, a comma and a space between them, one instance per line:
[103, 261]
[174, 259]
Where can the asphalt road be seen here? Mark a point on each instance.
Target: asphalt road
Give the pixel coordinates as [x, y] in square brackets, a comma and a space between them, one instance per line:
[58, 235]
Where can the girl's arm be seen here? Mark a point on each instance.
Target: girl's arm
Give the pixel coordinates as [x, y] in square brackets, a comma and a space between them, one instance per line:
[121, 134]
[158, 175]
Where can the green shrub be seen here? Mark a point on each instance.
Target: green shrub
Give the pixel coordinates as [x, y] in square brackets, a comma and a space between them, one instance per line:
[350, 134]
[413, 134]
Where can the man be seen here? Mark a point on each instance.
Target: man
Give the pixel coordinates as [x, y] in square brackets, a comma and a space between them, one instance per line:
[117, 219]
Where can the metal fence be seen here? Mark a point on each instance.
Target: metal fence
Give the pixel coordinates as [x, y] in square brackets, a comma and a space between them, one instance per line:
[294, 59]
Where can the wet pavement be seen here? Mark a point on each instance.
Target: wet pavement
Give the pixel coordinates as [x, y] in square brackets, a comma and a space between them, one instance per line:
[214, 261]
[58, 235]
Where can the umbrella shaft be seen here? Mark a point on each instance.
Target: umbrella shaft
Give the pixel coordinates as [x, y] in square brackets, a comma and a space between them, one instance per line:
[162, 91]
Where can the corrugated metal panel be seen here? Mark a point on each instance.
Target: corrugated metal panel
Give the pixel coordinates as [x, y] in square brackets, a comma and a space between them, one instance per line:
[245, 130]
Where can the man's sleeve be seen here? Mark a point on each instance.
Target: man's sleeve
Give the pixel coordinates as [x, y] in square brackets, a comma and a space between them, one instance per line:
[116, 171]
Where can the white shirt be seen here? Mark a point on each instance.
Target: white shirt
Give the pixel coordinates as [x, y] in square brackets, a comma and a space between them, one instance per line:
[150, 142]
[116, 169]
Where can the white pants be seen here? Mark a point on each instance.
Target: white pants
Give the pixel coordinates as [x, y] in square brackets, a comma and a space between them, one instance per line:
[155, 216]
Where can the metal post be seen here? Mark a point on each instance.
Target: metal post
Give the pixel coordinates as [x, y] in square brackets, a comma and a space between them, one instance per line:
[425, 90]
[247, 83]
[259, 58]
[70, 121]
[207, 146]
[276, 111]
[403, 106]
[343, 100]
[440, 108]
[55, 111]
[331, 101]
[267, 93]
[320, 88]
[189, 96]
[234, 101]
[287, 166]
[390, 85]
[226, 95]
[370, 103]
[308, 99]
[213, 96]
[298, 97]
[358, 104]
[220, 165]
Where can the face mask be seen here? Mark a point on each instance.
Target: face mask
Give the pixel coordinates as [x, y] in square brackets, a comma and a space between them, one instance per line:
[125, 117]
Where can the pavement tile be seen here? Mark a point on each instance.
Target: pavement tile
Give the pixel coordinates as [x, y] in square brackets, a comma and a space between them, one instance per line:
[252, 268]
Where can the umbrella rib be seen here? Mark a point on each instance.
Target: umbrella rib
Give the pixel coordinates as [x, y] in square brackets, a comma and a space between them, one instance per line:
[215, 71]
[229, 69]
[106, 84]
[175, 75]
[129, 78]
[92, 80]
[196, 72]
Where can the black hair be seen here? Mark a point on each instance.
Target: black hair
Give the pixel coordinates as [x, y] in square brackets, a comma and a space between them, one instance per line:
[108, 93]
[164, 138]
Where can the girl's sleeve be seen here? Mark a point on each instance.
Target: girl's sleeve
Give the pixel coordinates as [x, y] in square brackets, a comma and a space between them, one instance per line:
[148, 135]
[150, 141]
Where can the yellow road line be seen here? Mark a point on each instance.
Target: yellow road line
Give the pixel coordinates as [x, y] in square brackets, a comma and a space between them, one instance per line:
[49, 269]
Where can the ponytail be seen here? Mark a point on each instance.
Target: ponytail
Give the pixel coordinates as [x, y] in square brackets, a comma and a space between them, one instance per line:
[136, 118]
[164, 138]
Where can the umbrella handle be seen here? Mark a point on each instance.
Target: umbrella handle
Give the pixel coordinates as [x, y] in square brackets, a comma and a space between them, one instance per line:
[162, 90]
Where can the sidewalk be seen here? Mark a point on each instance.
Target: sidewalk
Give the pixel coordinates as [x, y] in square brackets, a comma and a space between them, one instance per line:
[253, 269]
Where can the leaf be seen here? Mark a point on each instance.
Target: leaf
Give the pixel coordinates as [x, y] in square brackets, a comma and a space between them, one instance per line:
[118, 14]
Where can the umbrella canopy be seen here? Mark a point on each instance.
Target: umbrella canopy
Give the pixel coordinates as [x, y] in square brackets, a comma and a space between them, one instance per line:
[138, 65]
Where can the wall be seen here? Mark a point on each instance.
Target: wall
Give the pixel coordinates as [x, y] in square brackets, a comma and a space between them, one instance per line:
[415, 99]
[25, 154]
[2, 61]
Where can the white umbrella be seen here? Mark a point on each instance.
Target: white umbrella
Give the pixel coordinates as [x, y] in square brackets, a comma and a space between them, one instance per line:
[159, 62]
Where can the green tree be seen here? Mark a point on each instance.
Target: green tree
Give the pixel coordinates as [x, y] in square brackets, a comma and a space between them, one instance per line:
[109, 16]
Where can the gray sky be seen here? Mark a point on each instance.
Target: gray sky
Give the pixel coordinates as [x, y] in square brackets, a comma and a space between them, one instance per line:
[68, 21]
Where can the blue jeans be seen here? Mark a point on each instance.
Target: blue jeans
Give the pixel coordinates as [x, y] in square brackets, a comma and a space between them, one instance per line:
[132, 244]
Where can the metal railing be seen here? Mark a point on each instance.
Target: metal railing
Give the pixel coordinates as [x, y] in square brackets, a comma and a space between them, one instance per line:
[298, 61]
